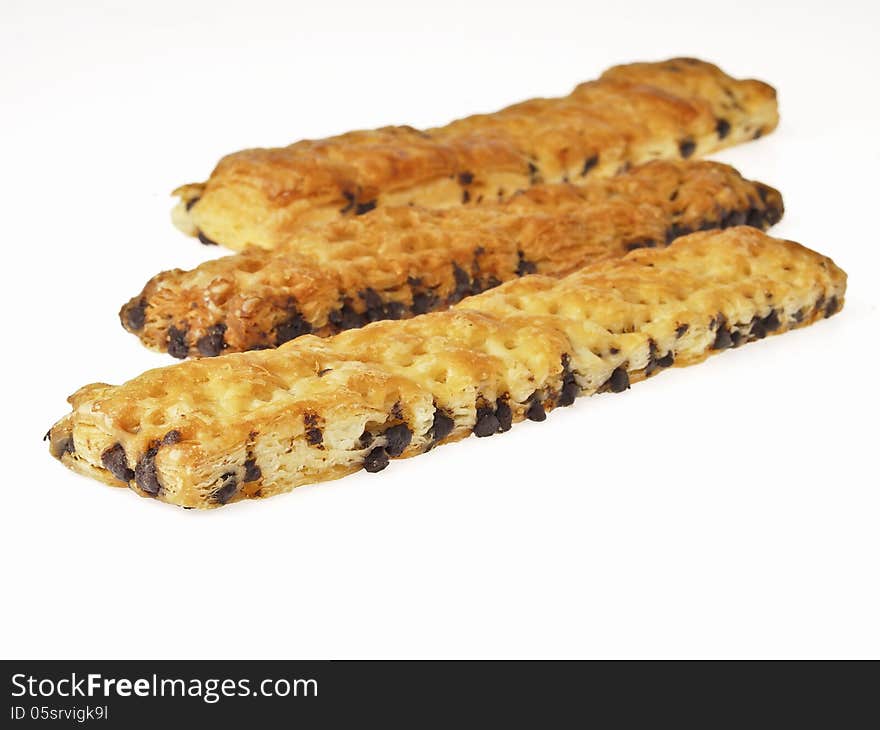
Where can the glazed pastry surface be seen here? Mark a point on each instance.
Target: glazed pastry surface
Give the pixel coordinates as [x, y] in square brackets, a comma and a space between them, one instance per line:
[400, 261]
[207, 432]
[672, 109]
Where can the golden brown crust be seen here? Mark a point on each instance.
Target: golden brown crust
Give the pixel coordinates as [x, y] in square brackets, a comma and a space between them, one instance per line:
[205, 432]
[401, 261]
[632, 114]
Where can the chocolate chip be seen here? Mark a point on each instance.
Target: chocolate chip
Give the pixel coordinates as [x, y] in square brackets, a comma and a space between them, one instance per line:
[722, 339]
[756, 328]
[171, 438]
[504, 415]
[376, 460]
[722, 127]
[687, 147]
[314, 436]
[291, 328]
[737, 338]
[570, 389]
[652, 365]
[346, 317]
[534, 173]
[115, 461]
[177, 346]
[755, 218]
[640, 243]
[676, 230]
[251, 471]
[465, 197]
[681, 329]
[394, 310]
[205, 240]
[667, 361]
[487, 422]
[62, 446]
[798, 316]
[350, 197]
[362, 208]
[758, 133]
[462, 284]
[443, 426]
[462, 278]
[136, 316]
[771, 321]
[145, 474]
[423, 301]
[734, 218]
[211, 343]
[523, 266]
[465, 178]
[397, 438]
[535, 411]
[191, 202]
[226, 490]
[772, 215]
[589, 164]
[619, 380]
[831, 307]
[570, 392]
[373, 302]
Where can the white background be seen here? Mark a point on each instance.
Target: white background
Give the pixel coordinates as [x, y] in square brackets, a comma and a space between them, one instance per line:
[726, 510]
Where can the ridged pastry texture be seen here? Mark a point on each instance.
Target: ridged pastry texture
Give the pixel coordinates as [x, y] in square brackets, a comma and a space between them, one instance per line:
[203, 433]
[400, 261]
[634, 113]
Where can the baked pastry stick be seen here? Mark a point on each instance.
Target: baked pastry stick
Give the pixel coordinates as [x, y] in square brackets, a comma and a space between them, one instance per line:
[203, 433]
[634, 113]
[401, 261]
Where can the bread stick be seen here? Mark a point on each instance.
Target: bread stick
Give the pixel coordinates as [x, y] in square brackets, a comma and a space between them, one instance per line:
[402, 261]
[204, 433]
[672, 109]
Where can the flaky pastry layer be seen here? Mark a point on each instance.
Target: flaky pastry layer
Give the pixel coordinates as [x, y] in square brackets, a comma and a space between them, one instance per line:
[633, 113]
[207, 432]
[403, 261]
